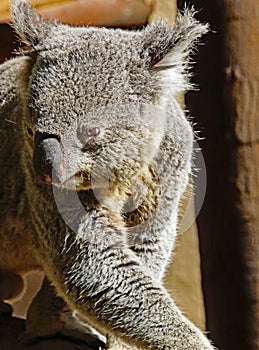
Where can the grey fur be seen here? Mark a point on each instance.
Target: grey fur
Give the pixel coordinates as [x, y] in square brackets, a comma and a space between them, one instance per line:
[110, 266]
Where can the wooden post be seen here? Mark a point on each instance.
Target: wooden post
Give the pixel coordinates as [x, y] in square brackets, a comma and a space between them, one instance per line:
[227, 110]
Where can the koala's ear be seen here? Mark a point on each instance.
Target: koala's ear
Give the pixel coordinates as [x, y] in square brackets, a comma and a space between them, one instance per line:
[166, 46]
[28, 24]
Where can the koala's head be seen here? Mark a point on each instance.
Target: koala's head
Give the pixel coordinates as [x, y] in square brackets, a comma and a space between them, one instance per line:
[98, 97]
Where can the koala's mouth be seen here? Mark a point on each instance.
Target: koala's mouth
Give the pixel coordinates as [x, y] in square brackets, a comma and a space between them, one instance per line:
[77, 182]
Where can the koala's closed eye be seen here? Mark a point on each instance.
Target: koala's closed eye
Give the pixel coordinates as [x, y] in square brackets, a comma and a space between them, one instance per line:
[88, 137]
[84, 131]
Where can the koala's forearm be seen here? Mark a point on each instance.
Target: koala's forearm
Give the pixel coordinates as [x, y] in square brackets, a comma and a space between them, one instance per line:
[105, 281]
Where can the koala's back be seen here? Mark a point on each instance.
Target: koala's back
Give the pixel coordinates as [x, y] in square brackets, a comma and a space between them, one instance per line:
[15, 252]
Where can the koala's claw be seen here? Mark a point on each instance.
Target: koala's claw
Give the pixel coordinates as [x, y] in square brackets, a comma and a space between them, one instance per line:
[5, 309]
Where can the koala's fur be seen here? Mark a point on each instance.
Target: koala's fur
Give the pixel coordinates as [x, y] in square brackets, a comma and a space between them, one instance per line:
[105, 261]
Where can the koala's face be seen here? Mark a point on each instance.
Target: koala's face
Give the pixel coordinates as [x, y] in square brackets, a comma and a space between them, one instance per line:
[97, 96]
[92, 101]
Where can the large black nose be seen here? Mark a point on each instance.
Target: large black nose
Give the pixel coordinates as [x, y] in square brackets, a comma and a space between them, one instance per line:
[47, 158]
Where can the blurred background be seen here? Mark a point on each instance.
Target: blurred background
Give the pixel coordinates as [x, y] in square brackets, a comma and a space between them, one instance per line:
[214, 275]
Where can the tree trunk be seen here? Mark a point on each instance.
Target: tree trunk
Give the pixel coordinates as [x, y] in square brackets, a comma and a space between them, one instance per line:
[226, 108]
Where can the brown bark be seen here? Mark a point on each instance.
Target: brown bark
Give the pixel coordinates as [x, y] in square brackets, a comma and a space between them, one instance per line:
[226, 107]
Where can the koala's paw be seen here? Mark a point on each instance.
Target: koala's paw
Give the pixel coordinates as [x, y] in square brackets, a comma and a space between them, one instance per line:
[67, 326]
[5, 309]
[194, 341]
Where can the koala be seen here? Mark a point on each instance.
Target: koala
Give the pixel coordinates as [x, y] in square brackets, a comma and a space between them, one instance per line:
[96, 153]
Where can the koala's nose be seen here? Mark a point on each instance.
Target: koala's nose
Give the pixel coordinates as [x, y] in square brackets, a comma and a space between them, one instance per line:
[47, 158]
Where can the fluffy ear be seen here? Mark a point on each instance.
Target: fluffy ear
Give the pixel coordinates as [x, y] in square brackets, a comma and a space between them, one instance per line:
[28, 24]
[168, 47]
[14, 76]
